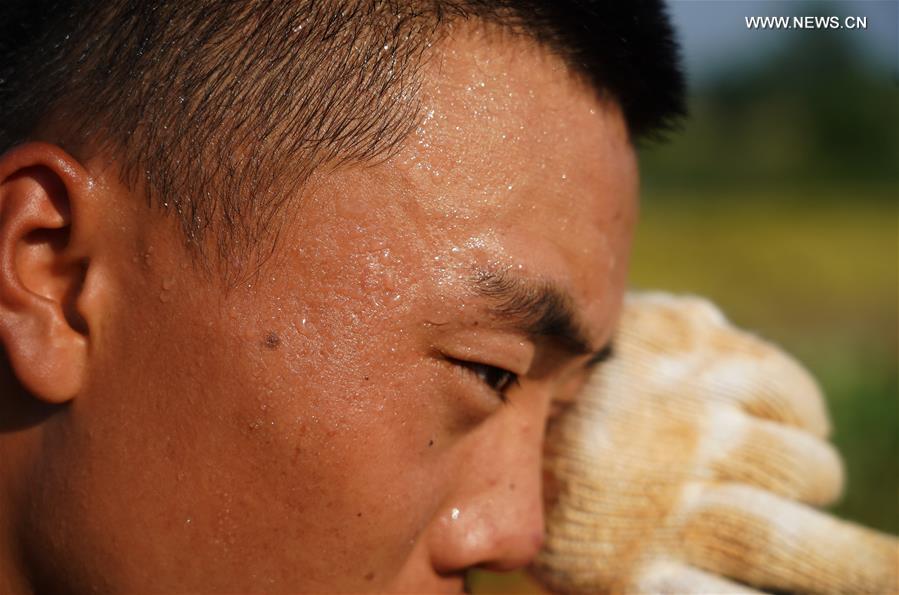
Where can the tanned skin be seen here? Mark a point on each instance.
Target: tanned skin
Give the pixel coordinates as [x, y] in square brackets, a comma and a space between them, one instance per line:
[348, 417]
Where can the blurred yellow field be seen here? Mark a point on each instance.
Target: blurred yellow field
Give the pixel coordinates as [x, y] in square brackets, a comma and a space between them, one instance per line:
[777, 262]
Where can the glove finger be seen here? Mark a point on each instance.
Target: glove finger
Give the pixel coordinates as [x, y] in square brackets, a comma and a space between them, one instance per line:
[686, 342]
[766, 383]
[761, 539]
[664, 577]
[771, 456]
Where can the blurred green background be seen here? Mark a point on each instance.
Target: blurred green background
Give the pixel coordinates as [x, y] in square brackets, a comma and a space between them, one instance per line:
[779, 200]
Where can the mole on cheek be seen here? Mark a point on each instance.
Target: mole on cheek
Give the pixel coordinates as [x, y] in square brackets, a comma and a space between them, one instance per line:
[272, 340]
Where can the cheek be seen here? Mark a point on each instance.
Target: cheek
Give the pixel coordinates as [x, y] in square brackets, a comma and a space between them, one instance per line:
[333, 420]
[287, 434]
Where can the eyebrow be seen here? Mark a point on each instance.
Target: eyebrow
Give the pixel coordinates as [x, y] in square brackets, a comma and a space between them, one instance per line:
[538, 308]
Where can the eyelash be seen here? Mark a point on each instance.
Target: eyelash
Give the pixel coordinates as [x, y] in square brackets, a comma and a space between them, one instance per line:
[496, 379]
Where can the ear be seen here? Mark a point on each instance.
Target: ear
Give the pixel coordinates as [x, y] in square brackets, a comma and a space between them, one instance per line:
[43, 264]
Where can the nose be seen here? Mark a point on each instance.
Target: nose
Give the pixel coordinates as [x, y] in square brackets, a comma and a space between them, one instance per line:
[495, 519]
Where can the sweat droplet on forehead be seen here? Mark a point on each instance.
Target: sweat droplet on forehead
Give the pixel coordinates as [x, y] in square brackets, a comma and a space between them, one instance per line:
[486, 130]
[511, 168]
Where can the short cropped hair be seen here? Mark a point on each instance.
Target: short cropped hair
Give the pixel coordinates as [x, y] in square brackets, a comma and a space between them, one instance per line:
[206, 104]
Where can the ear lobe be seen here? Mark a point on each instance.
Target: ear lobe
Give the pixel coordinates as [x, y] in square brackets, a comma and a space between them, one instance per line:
[41, 274]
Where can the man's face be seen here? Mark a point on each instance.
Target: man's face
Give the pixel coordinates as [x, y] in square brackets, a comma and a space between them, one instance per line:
[342, 420]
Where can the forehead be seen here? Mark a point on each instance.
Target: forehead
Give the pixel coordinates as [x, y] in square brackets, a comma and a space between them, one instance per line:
[500, 111]
[515, 165]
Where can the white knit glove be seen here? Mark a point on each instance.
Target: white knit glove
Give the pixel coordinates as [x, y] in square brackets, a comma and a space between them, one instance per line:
[692, 456]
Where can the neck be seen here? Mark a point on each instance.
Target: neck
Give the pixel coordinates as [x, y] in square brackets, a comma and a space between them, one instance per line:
[12, 574]
[20, 423]
[22, 419]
